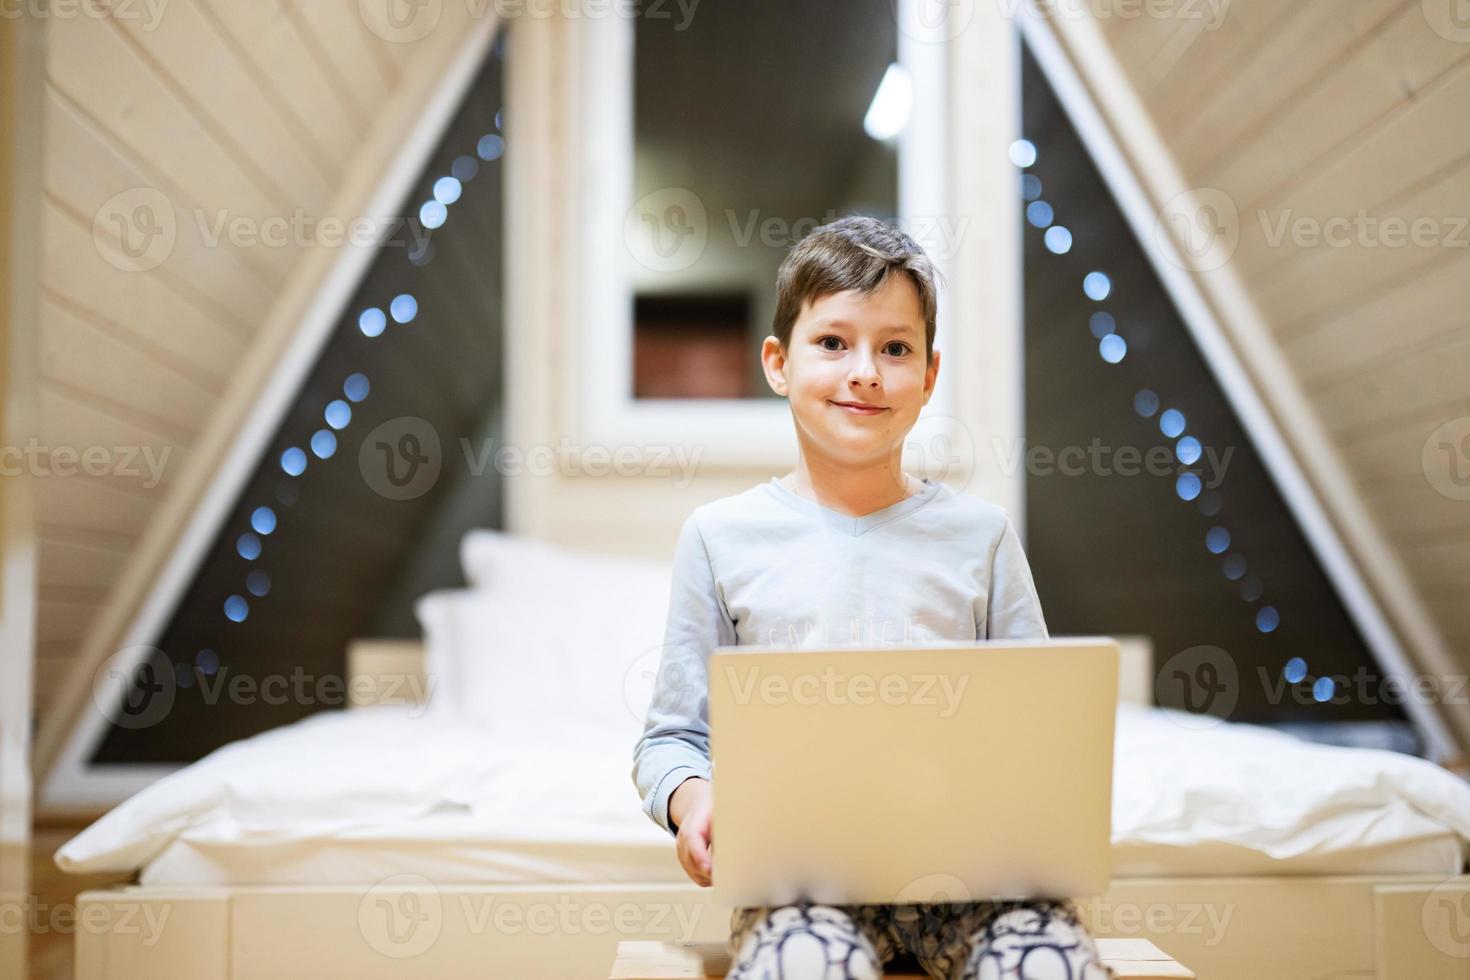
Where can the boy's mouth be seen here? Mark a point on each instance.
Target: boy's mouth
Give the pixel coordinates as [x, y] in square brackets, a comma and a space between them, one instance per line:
[860, 408]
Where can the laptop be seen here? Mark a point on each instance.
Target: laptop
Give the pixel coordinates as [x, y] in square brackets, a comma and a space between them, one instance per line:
[948, 772]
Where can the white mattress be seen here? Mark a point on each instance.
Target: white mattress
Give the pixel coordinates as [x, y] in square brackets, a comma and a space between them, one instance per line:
[455, 848]
[353, 797]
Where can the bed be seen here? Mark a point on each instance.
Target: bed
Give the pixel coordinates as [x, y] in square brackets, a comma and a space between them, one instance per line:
[411, 839]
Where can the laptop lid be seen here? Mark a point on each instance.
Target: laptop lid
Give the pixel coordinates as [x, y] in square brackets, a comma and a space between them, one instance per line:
[944, 772]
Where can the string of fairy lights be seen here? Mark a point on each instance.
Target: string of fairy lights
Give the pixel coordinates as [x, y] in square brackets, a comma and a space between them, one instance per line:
[1112, 347]
[372, 322]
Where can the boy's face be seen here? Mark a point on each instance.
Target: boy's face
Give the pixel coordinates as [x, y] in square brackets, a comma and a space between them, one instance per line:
[847, 347]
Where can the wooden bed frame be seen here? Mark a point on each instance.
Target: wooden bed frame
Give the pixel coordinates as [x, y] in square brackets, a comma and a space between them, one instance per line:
[1415, 927]
[1278, 928]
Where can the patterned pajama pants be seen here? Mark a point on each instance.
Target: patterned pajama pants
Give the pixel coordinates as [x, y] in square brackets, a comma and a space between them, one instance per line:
[1039, 939]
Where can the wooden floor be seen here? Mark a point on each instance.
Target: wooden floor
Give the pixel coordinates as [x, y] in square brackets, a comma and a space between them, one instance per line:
[55, 902]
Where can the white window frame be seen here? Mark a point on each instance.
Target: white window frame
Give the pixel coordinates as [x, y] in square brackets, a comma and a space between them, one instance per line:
[598, 387]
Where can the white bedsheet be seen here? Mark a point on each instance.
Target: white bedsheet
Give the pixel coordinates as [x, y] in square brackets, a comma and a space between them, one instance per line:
[351, 797]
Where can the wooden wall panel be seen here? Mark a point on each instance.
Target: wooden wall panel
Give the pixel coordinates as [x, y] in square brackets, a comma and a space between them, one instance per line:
[286, 72]
[221, 108]
[1321, 110]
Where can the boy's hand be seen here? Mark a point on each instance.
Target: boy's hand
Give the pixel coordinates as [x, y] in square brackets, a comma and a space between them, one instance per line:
[692, 810]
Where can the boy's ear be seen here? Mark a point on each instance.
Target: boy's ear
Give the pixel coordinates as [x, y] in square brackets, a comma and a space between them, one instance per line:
[773, 362]
[931, 374]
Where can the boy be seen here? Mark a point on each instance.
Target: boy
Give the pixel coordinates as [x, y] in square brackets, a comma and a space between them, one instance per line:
[846, 548]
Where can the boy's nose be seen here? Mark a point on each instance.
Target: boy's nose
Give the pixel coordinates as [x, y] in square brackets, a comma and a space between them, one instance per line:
[864, 373]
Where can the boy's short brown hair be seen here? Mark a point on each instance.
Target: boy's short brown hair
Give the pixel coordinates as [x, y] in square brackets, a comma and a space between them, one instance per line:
[859, 253]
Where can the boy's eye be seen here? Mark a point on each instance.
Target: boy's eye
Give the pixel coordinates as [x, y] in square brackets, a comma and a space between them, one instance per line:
[897, 348]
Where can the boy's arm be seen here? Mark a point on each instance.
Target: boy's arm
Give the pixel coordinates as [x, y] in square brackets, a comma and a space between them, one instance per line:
[1013, 611]
[675, 740]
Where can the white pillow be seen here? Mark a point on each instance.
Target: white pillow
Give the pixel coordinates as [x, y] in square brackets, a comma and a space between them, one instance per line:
[549, 636]
[488, 554]
[494, 557]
